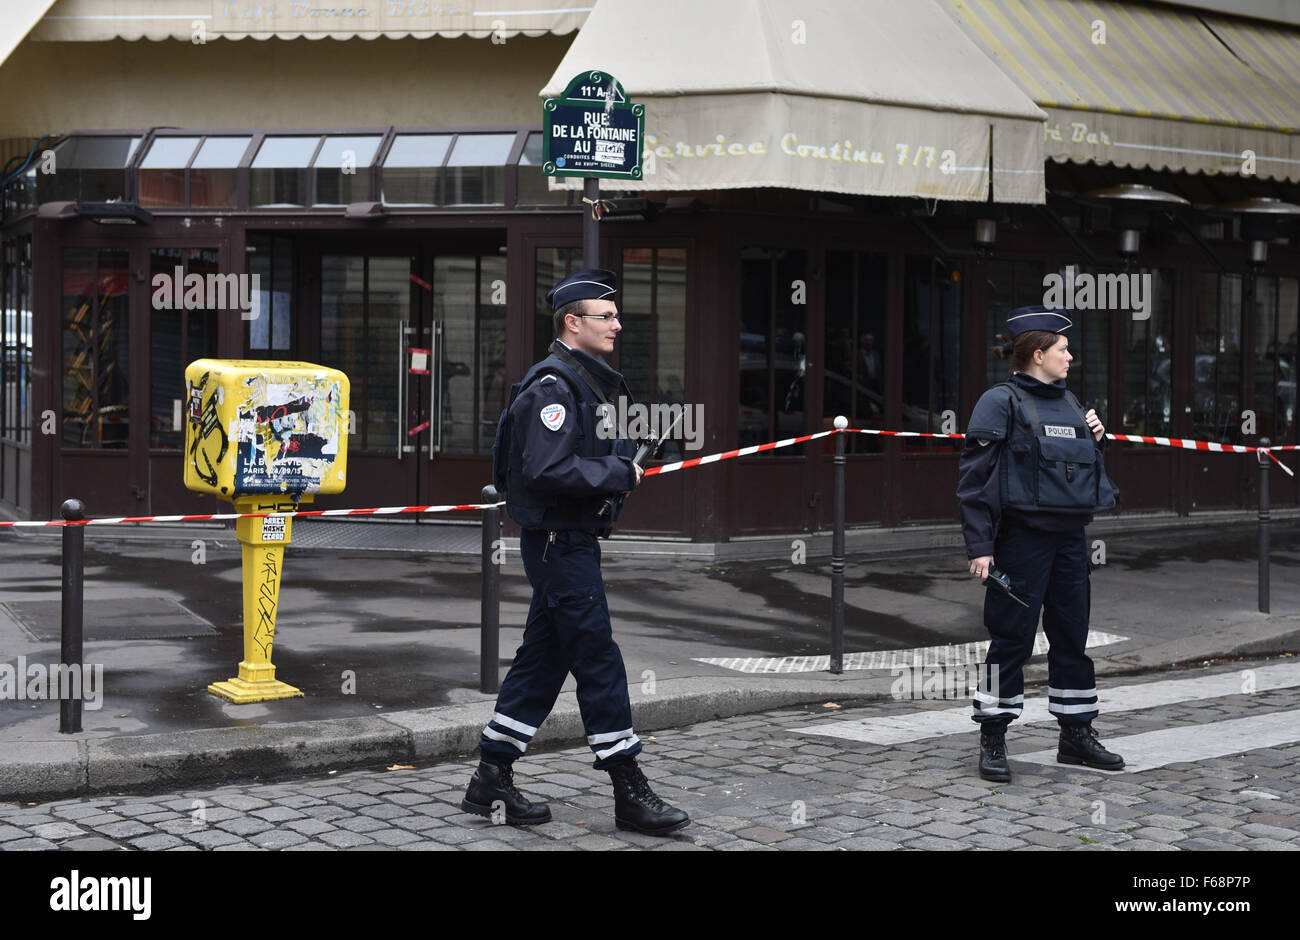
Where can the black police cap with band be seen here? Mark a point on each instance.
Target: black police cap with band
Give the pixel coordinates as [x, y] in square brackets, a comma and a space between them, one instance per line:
[1024, 319]
[589, 284]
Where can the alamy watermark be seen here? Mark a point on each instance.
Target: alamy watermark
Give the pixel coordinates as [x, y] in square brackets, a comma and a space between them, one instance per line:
[1082, 291]
[53, 681]
[943, 681]
[673, 422]
[180, 291]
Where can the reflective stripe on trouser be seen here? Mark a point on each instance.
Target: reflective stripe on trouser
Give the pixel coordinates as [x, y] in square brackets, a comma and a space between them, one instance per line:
[568, 630]
[1049, 572]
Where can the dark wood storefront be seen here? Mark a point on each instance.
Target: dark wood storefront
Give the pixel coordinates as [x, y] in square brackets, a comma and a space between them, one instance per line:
[773, 312]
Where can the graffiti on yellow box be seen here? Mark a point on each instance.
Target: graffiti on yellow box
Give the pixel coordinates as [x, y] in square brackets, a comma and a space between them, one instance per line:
[265, 427]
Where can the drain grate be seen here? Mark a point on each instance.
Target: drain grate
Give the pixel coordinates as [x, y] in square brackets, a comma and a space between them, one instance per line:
[127, 618]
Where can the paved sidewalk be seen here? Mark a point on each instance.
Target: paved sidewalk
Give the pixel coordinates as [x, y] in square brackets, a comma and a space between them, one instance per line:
[767, 782]
[385, 645]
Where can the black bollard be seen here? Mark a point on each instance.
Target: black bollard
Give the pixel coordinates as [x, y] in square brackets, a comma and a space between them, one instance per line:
[490, 617]
[70, 639]
[837, 555]
[1263, 526]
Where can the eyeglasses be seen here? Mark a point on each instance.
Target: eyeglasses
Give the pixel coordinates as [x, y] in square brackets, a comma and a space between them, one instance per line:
[598, 316]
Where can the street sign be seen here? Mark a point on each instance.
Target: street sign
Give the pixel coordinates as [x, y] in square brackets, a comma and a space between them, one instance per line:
[592, 130]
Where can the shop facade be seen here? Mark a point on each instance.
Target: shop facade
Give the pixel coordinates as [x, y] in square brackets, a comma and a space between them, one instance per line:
[415, 258]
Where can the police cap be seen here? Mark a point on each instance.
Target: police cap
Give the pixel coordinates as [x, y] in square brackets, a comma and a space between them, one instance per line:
[588, 284]
[1024, 319]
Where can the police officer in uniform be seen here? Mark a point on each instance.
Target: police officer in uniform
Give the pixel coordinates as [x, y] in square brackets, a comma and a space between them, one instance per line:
[1031, 476]
[560, 472]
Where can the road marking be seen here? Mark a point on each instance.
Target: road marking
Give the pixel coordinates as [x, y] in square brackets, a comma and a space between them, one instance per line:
[1191, 743]
[953, 654]
[914, 726]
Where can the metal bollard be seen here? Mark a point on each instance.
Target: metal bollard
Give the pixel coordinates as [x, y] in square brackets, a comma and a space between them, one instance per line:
[837, 554]
[1263, 526]
[70, 638]
[490, 616]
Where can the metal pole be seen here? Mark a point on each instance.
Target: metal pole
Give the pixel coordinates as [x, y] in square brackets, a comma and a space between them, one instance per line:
[489, 637]
[837, 555]
[1263, 526]
[70, 640]
[590, 224]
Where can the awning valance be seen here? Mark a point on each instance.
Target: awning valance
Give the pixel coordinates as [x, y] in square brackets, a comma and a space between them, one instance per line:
[91, 20]
[873, 97]
[1147, 86]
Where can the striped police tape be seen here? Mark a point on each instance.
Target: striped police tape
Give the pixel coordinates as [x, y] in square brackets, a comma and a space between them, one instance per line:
[1185, 444]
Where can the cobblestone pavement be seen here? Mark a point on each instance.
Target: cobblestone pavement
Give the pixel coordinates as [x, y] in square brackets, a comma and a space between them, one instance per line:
[762, 782]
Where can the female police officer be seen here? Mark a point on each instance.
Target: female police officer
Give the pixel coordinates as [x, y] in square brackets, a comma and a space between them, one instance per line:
[1031, 475]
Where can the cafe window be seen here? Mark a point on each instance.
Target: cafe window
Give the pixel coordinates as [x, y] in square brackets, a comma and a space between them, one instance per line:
[270, 259]
[469, 302]
[476, 172]
[85, 168]
[931, 351]
[279, 176]
[412, 170]
[181, 330]
[533, 188]
[550, 266]
[773, 346]
[1216, 389]
[1277, 300]
[16, 354]
[1009, 285]
[652, 344]
[343, 170]
[162, 171]
[854, 382]
[213, 176]
[95, 348]
[1148, 361]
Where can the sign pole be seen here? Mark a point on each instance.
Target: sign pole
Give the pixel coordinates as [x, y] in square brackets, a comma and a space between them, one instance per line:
[590, 224]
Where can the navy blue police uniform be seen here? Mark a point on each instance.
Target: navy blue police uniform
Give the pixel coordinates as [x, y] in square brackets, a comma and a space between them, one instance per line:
[564, 474]
[1031, 476]
[560, 473]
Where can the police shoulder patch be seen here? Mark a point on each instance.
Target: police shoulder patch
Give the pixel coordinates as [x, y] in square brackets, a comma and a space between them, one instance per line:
[553, 417]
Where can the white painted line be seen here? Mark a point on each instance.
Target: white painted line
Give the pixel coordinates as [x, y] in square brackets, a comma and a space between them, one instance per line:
[1190, 743]
[953, 654]
[913, 726]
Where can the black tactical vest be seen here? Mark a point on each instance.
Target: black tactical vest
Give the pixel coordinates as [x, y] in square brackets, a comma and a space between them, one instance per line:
[1050, 462]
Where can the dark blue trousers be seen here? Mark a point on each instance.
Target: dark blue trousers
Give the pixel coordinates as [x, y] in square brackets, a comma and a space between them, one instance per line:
[1049, 572]
[568, 630]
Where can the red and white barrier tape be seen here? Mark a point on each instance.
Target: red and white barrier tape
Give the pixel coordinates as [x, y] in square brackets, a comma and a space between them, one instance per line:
[1178, 442]
[219, 516]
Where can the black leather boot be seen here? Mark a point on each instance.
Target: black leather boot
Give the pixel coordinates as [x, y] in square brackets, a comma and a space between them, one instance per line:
[636, 807]
[1079, 745]
[496, 782]
[993, 757]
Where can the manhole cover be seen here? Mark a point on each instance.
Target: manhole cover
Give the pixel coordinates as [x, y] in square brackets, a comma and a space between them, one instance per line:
[128, 618]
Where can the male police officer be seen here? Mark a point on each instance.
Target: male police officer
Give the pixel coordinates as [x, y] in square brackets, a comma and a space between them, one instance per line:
[560, 473]
[1031, 475]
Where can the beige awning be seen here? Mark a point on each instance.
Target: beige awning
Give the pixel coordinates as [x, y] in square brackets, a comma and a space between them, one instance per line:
[91, 20]
[873, 97]
[17, 17]
[1149, 86]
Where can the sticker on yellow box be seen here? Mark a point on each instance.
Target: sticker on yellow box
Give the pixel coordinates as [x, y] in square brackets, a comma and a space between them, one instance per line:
[273, 529]
[265, 427]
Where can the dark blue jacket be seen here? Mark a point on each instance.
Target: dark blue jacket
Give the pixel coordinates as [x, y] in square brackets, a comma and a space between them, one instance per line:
[560, 469]
[978, 487]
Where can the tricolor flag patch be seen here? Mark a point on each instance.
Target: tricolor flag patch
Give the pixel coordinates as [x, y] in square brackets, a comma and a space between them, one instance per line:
[553, 417]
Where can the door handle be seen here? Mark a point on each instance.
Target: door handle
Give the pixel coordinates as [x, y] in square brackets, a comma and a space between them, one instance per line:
[401, 388]
[435, 393]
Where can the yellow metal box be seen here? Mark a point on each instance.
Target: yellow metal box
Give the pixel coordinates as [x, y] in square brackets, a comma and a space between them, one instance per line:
[261, 426]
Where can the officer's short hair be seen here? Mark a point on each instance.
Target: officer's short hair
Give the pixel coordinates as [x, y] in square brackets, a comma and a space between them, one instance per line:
[573, 306]
[1026, 344]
